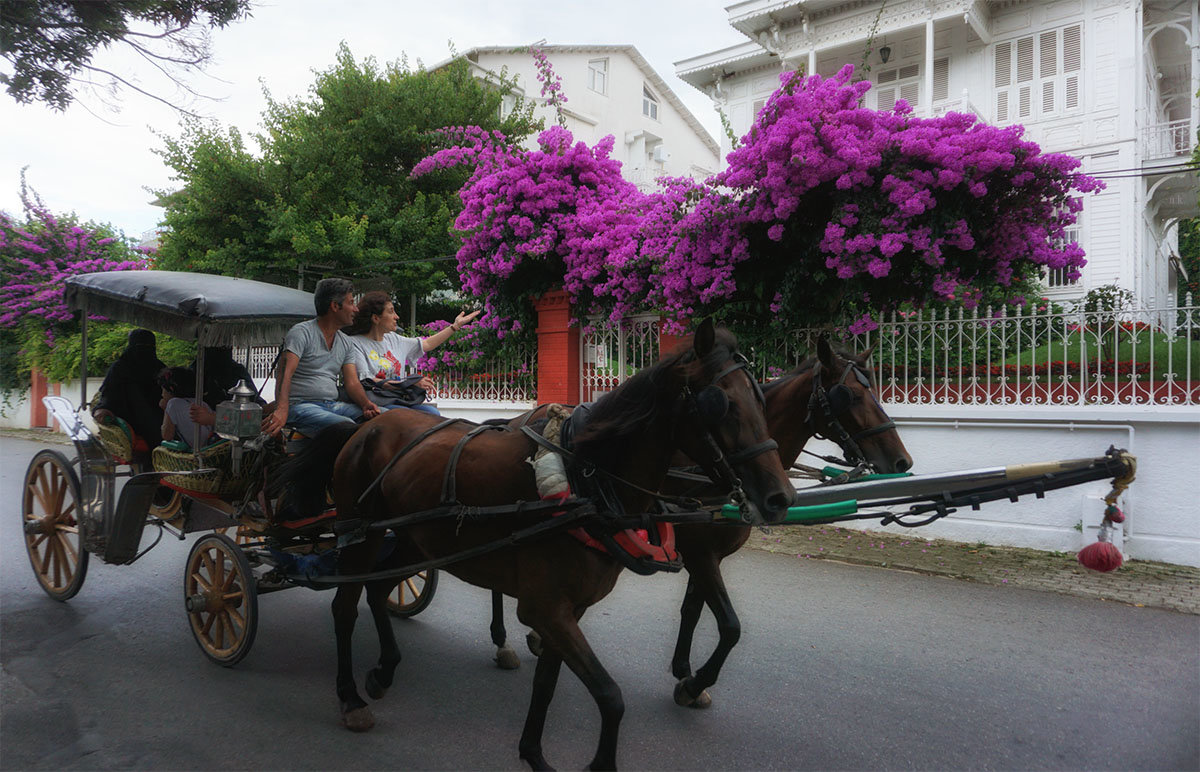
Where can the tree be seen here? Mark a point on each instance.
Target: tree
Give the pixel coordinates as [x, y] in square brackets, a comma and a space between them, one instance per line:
[36, 255]
[329, 190]
[50, 43]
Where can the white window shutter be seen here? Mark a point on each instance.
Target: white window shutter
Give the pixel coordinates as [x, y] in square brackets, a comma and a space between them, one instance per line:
[1072, 48]
[1048, 54]
[1001, 106]
[1024, 102]
[911, 93]
[1024, 60]
[1071, 99]
[941, 79]
[1047, 96]
[1003, 65]
[887, 76]
[886, 99]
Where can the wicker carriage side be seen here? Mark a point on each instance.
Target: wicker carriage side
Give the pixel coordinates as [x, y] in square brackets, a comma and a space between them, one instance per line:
[218, 481]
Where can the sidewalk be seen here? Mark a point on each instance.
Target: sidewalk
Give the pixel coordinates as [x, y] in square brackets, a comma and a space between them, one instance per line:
[1137, 583]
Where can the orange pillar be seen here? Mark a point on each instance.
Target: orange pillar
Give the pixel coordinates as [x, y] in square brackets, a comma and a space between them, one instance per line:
[558, 350]
[668, 343]
[37, 390]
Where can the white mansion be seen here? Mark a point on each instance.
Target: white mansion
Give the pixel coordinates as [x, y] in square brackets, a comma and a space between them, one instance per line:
[611, 89]
[1112, 82]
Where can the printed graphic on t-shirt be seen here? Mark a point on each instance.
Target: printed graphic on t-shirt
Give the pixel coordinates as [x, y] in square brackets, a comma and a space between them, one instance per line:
[383, 363]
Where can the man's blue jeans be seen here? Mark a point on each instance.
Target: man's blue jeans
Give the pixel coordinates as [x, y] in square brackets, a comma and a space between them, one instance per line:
[312, 415]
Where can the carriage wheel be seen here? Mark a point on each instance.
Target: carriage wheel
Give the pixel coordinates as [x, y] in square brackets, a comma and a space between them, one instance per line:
[50, 511]
[414, 594]
[242, 534]
[166, 505]
[221, 597]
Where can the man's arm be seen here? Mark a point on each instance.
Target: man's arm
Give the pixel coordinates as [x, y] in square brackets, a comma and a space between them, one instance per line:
[355, 390]
[283, 386]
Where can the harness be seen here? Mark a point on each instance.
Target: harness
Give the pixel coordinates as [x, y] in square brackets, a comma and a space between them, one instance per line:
[829, 405]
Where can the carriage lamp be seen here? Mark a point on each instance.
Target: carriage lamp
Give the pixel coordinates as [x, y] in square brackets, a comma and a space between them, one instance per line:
[240, 417]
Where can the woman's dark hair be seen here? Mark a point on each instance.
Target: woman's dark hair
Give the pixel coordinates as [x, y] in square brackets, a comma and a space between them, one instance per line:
[330, 291]
[370, 304]
[180, 381]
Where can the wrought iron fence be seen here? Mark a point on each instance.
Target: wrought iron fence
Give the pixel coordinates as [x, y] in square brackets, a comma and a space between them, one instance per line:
[610, 354]
[509, 376]
[1053, 357]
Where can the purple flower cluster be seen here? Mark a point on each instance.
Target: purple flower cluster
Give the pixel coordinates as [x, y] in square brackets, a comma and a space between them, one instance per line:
[39, 255]
[826, 207]
[552, 90]
[898, 208]
[558, 215]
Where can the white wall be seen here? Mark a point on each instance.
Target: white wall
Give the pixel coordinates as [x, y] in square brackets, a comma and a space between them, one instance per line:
[1163, 518]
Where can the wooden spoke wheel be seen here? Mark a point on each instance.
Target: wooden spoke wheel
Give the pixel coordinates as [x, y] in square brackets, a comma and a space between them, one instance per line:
[50, 510]
[221, 598]
[242, 534]
[414, 594]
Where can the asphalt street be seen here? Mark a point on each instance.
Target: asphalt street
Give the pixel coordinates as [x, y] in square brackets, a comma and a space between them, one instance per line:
[839, 667]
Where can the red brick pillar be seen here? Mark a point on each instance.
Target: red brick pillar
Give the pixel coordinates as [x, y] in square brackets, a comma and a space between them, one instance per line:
[37, 390]
[558, 350]
[667, 342]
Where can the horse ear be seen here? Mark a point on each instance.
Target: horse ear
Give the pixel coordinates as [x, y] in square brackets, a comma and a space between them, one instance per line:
[825, 351]
[704, 338]
[866, 354]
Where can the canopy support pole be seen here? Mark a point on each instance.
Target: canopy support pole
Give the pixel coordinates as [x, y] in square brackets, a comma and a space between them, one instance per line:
[83, 341]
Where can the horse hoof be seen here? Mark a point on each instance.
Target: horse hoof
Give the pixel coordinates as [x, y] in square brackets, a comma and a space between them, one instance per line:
[682, 698]
[375, 690]
[358, 720]
[506, 658]
[534, 642]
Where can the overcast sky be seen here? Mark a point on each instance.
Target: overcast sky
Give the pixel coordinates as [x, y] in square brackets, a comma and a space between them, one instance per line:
[99, 164]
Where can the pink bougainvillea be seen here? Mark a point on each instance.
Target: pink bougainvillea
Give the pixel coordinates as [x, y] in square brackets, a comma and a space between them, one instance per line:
[828, 210]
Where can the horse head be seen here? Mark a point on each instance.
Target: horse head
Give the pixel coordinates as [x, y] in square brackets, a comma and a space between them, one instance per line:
[844, 407]
[721, 425]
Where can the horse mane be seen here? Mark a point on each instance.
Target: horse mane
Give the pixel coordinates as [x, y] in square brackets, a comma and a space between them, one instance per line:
[624, 412]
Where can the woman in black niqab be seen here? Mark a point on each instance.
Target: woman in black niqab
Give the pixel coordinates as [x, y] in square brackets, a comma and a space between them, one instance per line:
[130, 390]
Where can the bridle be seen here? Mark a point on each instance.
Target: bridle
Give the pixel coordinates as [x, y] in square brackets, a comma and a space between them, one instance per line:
[835, 402]
[708, 406]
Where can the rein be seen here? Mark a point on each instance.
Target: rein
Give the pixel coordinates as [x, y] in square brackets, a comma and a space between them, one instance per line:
[835, 402]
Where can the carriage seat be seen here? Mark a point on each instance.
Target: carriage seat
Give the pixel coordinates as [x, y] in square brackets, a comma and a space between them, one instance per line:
[217, 457]
[125, 446]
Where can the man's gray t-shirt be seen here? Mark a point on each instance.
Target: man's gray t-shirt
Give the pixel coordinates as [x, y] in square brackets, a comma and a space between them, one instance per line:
[317, 373]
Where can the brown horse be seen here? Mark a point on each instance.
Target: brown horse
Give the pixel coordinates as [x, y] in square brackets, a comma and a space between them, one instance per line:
[701, 402]
[831, 395]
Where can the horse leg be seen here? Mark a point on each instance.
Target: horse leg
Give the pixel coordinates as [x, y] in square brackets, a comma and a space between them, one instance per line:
[379, 678]
[506, 658]
[545, 679]
[355, 713]
[562, 639]
[689, 617]
[691, 691]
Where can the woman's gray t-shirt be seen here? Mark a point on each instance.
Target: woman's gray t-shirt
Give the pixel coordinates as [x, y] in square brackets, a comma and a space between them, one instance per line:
[384, 359]
[316, 375]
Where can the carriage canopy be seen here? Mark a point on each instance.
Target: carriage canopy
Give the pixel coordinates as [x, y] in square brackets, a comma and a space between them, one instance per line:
[211, 310]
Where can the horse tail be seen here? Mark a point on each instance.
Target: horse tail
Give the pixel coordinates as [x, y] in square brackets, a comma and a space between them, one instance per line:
[306, 475]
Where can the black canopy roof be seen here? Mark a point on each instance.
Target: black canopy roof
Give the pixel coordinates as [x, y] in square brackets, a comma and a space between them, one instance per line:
[212, 310]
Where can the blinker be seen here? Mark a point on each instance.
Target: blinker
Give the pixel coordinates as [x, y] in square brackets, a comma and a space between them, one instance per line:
[840, 398]
[712, 403]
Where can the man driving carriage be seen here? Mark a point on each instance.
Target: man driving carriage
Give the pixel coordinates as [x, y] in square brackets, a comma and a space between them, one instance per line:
[315, 353]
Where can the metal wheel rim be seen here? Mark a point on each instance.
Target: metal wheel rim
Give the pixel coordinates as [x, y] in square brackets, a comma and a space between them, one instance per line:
[413, 593]
[224, 625]
[50, 505]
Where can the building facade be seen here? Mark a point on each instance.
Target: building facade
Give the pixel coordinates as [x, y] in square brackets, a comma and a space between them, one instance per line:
[1112, 82]
[611, 89]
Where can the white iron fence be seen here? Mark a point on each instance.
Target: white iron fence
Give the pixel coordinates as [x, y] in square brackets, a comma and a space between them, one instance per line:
[611, 354]
[1128, 357]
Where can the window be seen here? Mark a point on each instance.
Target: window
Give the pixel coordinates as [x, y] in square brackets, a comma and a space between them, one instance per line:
[941, 79]
[598, 75]
[1038, 76]
[1056, 278]
[898, 83]
[649, 103]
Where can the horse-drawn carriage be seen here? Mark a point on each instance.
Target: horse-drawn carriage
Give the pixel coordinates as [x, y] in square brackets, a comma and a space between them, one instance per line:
[72, 508]
[414, 493]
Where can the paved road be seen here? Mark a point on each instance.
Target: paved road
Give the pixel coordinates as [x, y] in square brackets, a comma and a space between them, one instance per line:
[840, 667]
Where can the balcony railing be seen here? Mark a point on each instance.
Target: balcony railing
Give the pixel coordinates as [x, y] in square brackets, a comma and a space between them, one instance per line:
[1167, 140]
